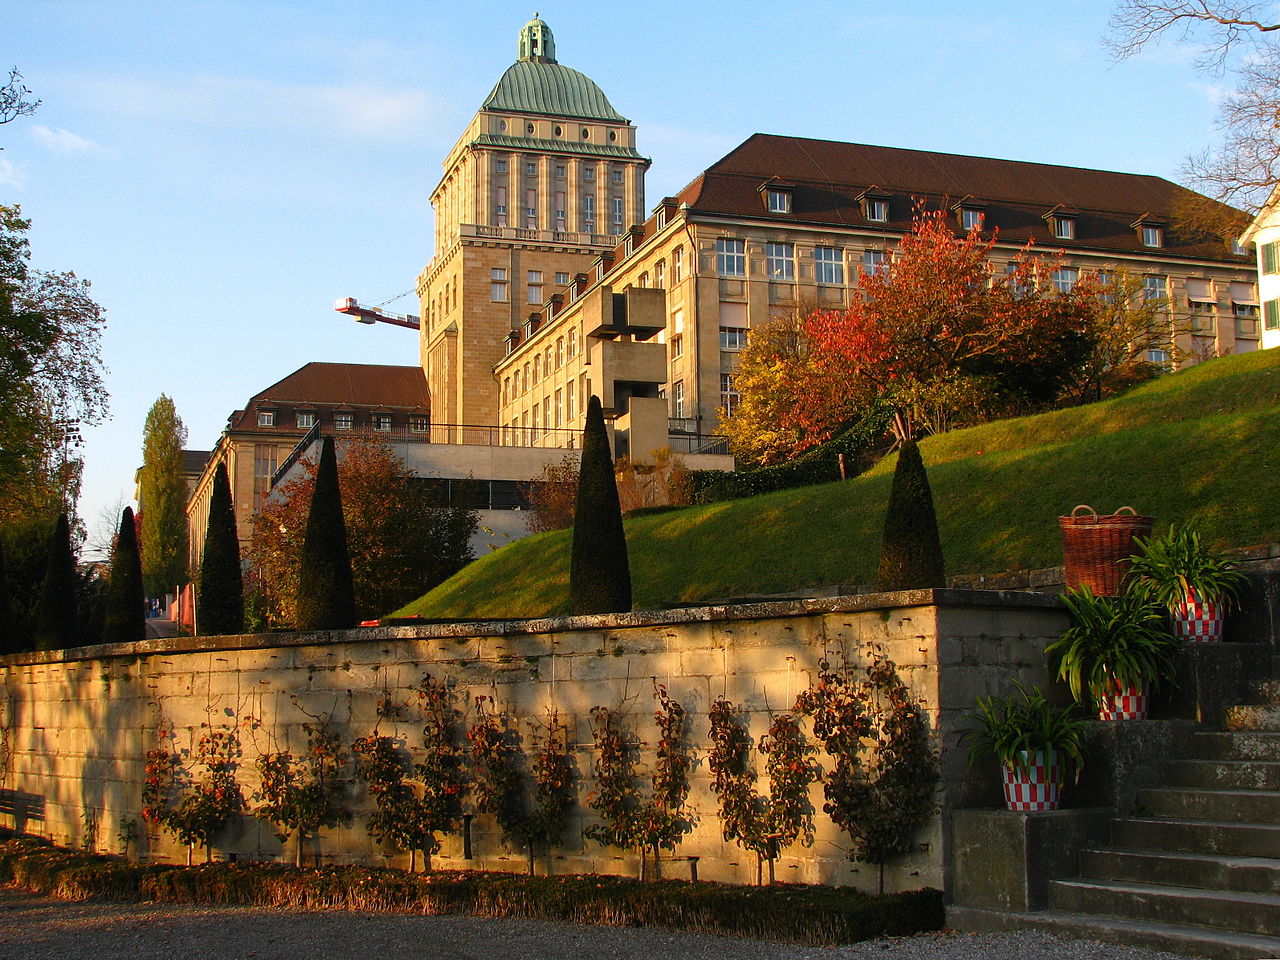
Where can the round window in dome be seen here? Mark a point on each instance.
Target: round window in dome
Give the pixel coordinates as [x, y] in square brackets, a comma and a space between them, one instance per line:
[529, 128]
[558, 131]
[502, 126]
[586, 134]
[613, 134]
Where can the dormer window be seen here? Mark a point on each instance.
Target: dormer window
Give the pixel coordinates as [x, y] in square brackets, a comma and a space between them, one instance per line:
[266, 418]
[1152, 237]
[877, 210]
[971, 219]
[779, 201]
[1064, 228]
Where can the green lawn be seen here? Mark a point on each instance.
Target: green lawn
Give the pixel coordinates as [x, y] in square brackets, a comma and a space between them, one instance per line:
[1199, 445]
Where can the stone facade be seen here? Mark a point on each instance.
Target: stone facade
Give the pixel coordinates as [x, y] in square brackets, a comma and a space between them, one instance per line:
[78, 723]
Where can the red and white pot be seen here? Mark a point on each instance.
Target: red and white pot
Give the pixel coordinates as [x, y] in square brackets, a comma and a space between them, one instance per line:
[1124, 702]
[1035, 786]
[1196, 620]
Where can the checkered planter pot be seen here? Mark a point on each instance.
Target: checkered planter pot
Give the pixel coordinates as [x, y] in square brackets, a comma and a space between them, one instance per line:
[1196, 620]
[1124, 703]
[1036, 788]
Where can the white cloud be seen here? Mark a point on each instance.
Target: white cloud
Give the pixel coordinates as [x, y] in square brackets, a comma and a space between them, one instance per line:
[357, 108]
[62, 141]
[11, 175]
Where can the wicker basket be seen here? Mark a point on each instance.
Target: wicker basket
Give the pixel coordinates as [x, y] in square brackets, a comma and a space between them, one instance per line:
[1096, 549]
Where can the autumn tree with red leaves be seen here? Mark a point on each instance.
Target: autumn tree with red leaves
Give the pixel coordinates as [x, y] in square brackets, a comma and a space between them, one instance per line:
[401, 540]
[941, 336]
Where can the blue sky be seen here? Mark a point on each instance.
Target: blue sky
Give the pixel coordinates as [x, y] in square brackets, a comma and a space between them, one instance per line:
[221, 171]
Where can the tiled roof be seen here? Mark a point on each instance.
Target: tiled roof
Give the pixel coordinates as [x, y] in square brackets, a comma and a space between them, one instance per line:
[829, 176]
[360, 384]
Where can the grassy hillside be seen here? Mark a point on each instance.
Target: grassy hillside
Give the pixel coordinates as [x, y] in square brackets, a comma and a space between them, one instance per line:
[1201, 445]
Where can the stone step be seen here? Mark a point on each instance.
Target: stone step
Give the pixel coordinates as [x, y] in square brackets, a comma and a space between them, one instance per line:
[1174, 938]
[1267, 691]
[1198, 803]
[1257, 717]
[1236, 745]
[1207, 871]
[1244, 774]
[1197, 836]
[1232, 910]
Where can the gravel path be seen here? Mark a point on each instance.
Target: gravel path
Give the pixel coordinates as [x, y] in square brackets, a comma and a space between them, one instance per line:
[33, 928]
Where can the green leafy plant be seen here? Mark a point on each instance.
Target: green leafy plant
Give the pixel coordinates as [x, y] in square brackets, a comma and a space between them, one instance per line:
[194, 806]
[1113, 640]
[1014, 729]
[1170, 567]
[302, 794]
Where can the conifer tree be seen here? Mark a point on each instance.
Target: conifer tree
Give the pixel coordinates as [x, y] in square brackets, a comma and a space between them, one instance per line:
[599, 575]
[8, 628]
[911, 556]
[326, 600]
[57, 621]
[125, 619]
[220, 604]
[163, 499]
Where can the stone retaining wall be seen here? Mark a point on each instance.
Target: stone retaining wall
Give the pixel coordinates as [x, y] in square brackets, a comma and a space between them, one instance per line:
[77, 724]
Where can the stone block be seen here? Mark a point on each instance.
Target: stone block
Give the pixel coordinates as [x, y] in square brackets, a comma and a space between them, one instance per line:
[1002, 860]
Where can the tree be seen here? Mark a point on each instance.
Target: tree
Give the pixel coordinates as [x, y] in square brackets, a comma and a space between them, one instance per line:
[326, 598]
[162, 499]
[939, 336]
[552, 496]
[220, 603]
[57, 619]
[13, 99]
[1244, 166]
[599, 575]
[911, 555]
[1126, 326]
[124, 620]
[9, 641]
[402, 540]
[50, 378]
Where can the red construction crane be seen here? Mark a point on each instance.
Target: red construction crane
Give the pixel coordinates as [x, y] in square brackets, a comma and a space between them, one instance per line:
[351, 308]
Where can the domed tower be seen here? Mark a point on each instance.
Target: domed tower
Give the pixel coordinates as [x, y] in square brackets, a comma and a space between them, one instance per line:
[544, 179]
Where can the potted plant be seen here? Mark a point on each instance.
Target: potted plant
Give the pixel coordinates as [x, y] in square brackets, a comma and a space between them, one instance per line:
[1115, 650]
[1198, 583]
[1035, 743]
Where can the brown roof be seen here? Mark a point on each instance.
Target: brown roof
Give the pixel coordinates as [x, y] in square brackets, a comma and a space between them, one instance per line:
[359, 384]
[829, 176]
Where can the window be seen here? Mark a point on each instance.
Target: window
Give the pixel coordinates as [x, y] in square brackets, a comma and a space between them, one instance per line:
[559, 407]
[546, 413]
[729, 397]
[524, 388]
[733, 338]
[873, 261]
[677, 264]
[677, 399]
[643, 280]
[501, 165]
[677, 345]
[1064, 278]
[537, 367]
[1152, 236]
[530, 209]
[1246, 316]
[971, 219]
[589, 211]
[419, 424]
[561, 171]
[1159, 357]
[617, 211]
[660, 274]
[264, 468]
[546, 361]
[1064, 228]
[559, 352]
[780, 261]
[382, 422]
[501, 203]
[305, 421]
[617, 176]
[266, 418]
[1269, 258]
[828, 265]
[560, 210]
[562, 279]
[573, 342]
[344, 421]
[779, 201]
[534, 294]
[1153, 287]
[588, 174]
[1271, 314]
[877, 210]
[570, 396]
[731, 257]
[531, 169]
[498, 285]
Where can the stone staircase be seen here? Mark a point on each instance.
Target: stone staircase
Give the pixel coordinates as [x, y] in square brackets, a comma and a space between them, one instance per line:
[1196, 867]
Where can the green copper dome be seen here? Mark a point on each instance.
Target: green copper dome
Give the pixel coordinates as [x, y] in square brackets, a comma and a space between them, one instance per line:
[536, 83]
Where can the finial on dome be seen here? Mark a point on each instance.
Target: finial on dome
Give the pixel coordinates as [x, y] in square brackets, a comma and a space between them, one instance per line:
[537, 42]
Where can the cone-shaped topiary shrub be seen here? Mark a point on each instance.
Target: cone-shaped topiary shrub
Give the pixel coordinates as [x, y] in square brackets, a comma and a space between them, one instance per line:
[911, 556]
[220, 603]
[9, 642]
[124, 620]
[57, 620]
[326, 600]
[599, 577]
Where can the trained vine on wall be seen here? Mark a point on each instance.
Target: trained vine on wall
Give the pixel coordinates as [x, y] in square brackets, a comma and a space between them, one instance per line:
[881, 788]
[194, 794]
[762, 824]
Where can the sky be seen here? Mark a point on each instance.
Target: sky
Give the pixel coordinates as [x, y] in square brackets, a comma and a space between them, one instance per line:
[221, 171]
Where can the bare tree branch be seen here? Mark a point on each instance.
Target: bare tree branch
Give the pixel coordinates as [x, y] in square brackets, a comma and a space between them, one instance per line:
[13, 102]
[1221, 27]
